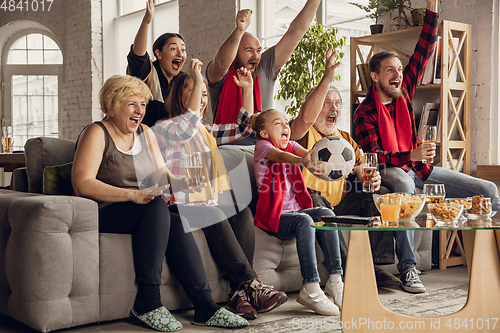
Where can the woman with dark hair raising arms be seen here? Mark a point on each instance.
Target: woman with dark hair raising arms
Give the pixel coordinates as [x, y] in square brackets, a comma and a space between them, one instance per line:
[170, 52]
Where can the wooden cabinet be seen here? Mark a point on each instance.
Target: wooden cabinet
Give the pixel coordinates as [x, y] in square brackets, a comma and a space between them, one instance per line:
[454, 93]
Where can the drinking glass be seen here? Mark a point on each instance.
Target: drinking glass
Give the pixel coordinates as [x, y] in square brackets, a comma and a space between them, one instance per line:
[389, 210]
[434, 193]
[193, 165]
[7, 139]
[430, 135]
[369, 168]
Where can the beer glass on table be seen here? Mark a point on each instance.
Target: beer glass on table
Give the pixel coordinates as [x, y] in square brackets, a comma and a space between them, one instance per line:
[369, 168]
[434, 193]
[430, 135]
[193, 165]
[7, 139]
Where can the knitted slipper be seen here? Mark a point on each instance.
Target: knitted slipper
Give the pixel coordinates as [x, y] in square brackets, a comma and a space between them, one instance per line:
[159, 319]
[224, 319]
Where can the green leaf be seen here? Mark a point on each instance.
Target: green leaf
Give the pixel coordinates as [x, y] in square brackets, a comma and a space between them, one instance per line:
[306, 65]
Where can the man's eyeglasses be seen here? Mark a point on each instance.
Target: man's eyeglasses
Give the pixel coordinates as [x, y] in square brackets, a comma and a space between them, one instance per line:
[329, 104]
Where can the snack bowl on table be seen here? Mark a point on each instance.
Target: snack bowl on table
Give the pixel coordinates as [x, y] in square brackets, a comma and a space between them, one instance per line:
[411, 205]
[480, 208]
[466, 202]
[446, 214]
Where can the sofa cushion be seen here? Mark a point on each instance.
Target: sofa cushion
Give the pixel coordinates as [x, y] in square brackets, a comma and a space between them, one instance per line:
[42, 152]
[57, 179]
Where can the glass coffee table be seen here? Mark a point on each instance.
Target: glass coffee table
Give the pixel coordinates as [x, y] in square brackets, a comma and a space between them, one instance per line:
[361, 307]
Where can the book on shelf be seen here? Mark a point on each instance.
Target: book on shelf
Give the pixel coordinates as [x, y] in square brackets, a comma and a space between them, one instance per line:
[428, 76]
[362, 78]
[451, 57]
[367, 75]
[429, 117]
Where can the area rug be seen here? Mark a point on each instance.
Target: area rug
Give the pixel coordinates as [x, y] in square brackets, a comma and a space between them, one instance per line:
[429, 304]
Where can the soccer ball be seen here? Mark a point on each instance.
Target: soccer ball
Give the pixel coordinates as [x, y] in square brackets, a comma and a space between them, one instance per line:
[338, 153]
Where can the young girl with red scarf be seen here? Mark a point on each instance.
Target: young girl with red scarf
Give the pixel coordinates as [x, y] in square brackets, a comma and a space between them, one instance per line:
[285, 210]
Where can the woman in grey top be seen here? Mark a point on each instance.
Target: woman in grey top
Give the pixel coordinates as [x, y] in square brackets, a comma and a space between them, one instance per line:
[111, 159]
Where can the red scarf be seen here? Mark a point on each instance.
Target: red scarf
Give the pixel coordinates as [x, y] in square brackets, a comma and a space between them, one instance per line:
[231, 99]
[395, 134]
[270, 202]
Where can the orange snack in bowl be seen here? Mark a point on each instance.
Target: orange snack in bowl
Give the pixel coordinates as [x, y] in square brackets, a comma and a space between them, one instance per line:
[445, 212]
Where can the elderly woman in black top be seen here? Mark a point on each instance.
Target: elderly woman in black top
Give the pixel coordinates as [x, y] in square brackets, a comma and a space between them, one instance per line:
[110, 158]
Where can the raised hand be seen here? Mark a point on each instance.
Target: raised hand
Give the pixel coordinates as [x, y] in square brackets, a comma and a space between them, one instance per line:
[244, 78]
[195, 70]
[432, 5]
[243, 19]
[330, 66]
[150, 11]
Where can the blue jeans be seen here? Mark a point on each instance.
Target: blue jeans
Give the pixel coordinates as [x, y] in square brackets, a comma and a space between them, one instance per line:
[404, 249]
[457, 184]
[298, 225]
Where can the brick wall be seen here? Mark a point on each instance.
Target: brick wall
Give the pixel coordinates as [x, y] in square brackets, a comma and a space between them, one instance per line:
[205, 25]
[83, 67]
[76, 27]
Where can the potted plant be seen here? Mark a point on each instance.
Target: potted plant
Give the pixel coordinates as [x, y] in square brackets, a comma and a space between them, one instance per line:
[374, 10]
[307, 65]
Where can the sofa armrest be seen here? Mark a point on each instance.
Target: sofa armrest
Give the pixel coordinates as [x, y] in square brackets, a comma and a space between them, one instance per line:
[19, 180]
[51, 259]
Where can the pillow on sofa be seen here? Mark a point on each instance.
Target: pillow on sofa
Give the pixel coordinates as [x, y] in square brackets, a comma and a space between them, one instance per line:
[57, 179]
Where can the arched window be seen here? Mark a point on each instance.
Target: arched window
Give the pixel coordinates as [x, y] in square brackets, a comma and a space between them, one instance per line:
[32, 83]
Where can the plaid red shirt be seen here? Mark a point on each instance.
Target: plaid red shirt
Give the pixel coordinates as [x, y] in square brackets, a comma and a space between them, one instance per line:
[173, 133]
[365, 117]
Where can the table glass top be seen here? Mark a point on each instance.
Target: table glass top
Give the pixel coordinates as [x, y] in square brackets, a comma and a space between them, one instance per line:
[491, 223]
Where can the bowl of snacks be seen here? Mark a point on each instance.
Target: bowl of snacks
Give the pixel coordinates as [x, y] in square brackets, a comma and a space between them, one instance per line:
[411, 205]
[480, 208]
[445, 214]
[466, 202]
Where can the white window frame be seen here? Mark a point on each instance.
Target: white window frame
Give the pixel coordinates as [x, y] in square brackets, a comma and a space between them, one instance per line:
[9, 70]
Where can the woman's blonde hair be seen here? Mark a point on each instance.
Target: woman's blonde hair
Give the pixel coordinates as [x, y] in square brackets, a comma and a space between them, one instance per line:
[119, 87]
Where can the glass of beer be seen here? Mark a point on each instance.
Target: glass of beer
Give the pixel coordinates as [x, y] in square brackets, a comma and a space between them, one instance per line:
[7, 139]
[193, 165]
[434, 193]
[430, 135]
[369, 168]
[389, 210]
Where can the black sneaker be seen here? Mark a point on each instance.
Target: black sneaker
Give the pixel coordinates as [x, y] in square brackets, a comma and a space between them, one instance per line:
[410, 281]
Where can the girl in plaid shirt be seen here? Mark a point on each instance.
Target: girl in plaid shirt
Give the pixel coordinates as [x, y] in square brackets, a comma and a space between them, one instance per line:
[231, 241]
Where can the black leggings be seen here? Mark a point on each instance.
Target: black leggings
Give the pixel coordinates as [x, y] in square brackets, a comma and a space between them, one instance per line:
[226, 240]
[153, 227]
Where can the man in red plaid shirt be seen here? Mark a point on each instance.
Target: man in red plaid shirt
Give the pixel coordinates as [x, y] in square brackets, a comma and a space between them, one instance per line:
[385, 124]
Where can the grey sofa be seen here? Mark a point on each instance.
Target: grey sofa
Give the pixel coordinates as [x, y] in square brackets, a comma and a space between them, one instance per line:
[57, 271]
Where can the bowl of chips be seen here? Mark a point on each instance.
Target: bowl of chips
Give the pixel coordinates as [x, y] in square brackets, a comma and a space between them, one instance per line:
[480, 208]
[445, 214]
[411, 205]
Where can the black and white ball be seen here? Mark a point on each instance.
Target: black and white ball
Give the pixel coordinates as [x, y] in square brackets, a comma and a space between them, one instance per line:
[338, 153]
